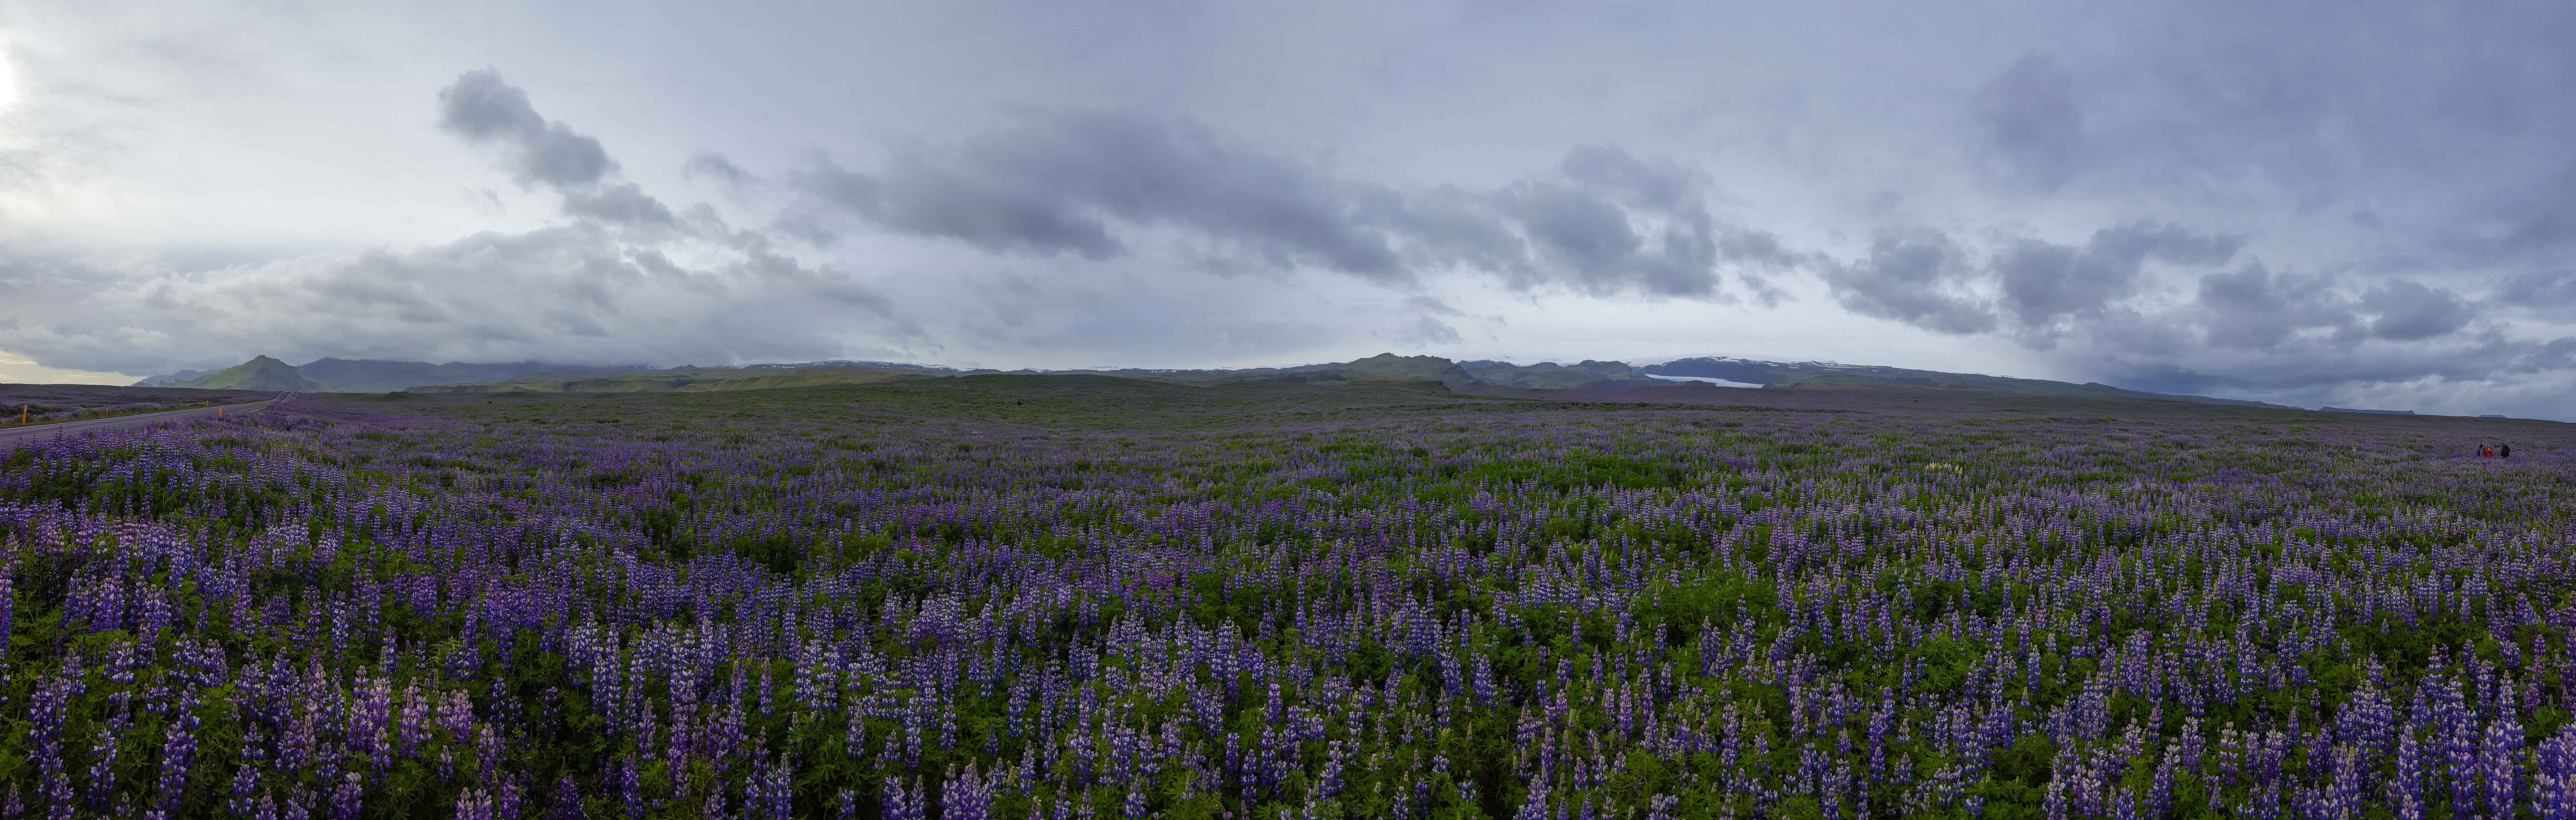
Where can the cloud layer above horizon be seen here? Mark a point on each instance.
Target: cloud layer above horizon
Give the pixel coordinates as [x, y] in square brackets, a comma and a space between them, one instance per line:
[2355, 205]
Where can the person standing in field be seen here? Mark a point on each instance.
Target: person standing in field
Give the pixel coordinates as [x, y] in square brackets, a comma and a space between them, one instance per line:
[2504, 451]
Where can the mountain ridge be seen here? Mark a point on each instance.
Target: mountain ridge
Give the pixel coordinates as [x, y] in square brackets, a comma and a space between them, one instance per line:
[335, 375]
[1814, 375]
[173, 379]
[1553, 376]
[379, 375]
[375, 376]
[260, 373]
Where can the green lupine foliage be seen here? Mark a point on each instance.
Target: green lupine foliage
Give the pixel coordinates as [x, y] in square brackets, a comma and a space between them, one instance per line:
[1059, 597]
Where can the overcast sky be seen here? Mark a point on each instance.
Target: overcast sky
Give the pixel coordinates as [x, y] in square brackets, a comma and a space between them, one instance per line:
[2363, 204]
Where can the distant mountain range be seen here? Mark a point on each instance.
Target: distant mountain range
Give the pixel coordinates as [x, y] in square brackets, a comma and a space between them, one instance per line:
[260, 373]
[676, 380]
[374, 376]
[1831, 376]
[173, 379]
[348, 375]
[1385, 367]
[1553, 376]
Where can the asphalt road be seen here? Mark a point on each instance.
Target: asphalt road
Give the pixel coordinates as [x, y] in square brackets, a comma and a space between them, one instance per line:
[11, 437]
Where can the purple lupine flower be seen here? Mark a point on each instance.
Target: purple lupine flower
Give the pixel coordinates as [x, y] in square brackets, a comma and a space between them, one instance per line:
[567, 801]
[507, 802]
[968, 796]
[474, 804]
[103, 754]
[345, 800]
[2498, 770]
[2553, 794]
[48, 715]
[2406, 783]
[767, 704]
[487, 755]
[630, 787]
[413, 726]
[960, 620]
[178, 753]
[901, 803]
[299, 805]
[1535, 806]
[2159, 800]
[777, 790]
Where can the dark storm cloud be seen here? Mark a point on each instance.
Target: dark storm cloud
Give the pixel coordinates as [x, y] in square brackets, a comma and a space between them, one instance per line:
[1603, 222]
[2314, 370]
[1052, 186]
[2374, 106]
[2030, 123]
[2541, 288]
[2043, 282]
[619, 204]
[483, 109]
[715, 166]
[1574, 228]
[1919, 279]
[1664, 187]
[1587, 225]
[2090, 300]
[934, 202]
[1450, 228]
[2416, 152]
[2407, 166]
[2254, 308]
[2409, 311]
[1589, 239]
[2544, 215]
[1428, 330]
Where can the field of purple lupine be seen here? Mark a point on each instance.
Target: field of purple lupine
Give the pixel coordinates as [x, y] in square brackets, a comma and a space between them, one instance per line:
[1013, 598]
[41, 403]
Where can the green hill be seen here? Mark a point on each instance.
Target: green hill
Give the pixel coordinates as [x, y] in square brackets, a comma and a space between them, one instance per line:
[378, 376]
[1391, 367]
[260, 373]
[174, 379]
[707, 380]
[1553, 376]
